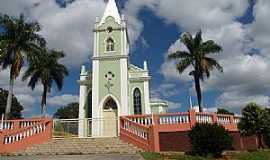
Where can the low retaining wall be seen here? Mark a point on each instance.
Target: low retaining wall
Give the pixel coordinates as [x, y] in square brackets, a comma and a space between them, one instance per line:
[179, 141]
[168, 132]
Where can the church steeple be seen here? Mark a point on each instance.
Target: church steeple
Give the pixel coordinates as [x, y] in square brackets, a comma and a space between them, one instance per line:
[111, 10]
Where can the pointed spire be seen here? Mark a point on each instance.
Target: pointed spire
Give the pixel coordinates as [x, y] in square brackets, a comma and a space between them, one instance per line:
[111, 10]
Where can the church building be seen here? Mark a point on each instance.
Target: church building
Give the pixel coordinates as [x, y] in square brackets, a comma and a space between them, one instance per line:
[114, 87]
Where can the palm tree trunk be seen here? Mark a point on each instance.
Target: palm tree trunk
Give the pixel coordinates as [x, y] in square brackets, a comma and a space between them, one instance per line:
[9, 99]
[43, 101]
[198, 90]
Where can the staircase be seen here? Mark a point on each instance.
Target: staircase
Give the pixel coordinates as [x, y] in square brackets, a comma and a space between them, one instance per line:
[78, 146]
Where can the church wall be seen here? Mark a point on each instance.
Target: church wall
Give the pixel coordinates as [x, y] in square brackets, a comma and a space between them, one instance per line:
[104, 68]
[132, 86]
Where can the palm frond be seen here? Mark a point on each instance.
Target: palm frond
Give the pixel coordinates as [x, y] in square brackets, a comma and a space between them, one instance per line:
[188, 41]
[198, 38]
[212, 62]
[19, 39]
[183, 64]
[210, 47]
[178, 54]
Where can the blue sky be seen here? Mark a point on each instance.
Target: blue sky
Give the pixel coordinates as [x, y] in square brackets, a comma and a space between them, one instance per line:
[155, 26]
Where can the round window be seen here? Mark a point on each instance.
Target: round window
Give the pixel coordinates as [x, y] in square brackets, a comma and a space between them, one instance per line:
[109, 29]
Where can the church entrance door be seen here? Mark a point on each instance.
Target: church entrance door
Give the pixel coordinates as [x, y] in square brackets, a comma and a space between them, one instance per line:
[110, 118]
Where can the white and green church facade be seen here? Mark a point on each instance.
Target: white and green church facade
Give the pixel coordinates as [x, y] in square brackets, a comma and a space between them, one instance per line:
[114, 87]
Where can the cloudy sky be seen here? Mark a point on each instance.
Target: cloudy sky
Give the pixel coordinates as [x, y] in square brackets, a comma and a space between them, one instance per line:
[241, 27]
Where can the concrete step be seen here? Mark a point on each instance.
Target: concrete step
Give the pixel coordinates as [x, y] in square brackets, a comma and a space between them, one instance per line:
[78, 146]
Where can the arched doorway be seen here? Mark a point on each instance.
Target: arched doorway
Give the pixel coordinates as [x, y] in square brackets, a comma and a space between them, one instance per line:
[110, 118]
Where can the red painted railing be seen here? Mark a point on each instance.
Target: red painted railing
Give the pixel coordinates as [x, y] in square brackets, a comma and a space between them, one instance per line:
[143, 130]
[19, 134]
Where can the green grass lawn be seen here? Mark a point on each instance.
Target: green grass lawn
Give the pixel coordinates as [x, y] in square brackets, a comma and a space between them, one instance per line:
[258, 155]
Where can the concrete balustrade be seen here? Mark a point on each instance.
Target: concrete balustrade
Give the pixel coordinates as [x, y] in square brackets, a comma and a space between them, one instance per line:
[24, 133]
[135, 129]
[173, 119]
[143, 130]
[222, 119]
[7, 125]
[141, 119]
[204, 118]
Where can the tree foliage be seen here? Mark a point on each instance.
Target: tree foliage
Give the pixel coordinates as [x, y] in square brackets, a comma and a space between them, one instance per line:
[254, 121]
[46, 69]
[210, 139]
[198, 57]
[266, 138]
[224, 111]
[16, 106]
[19, 41]
[71, 111]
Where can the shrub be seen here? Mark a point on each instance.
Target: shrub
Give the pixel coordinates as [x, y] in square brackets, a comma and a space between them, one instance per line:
[255, 121]
[209, 139]
[266, 139]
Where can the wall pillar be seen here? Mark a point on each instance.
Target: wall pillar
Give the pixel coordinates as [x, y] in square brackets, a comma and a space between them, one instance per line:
[96, 111]
[154, 134]
[214, 116]
[82, 103]
[146, 91]
[192, 117]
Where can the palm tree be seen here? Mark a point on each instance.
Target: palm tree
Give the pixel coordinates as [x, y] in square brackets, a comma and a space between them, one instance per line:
[19, 40]
[197, 57]
[46, 69]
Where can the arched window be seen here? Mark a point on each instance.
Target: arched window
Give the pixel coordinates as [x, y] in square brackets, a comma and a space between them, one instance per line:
[137, 101]
[110, 104]
[109, 45]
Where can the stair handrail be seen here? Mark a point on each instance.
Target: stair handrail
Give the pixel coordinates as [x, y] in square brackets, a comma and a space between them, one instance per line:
[22, 137]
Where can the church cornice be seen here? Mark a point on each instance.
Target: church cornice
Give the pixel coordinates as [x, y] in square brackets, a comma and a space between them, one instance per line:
[114, 29]
[85, 82]
[114, 57]
[139, 79]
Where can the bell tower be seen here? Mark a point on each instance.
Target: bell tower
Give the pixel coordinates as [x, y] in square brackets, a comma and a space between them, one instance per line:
[110, 65]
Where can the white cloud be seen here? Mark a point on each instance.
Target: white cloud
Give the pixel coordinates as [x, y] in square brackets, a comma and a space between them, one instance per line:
[20, 87]
[168, 68]
[15, 7]
[233, 99]
[260, 28]
[165, 90]
[131, 11]
[70, 28]
[62, 100]
[245, 75]
[26, 96]
[27, 101]
[173, 106]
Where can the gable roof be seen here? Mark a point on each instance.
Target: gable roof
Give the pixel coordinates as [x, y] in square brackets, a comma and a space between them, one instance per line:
[134, 68]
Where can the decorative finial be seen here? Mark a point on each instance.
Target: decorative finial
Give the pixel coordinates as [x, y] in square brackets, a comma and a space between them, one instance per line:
[190, 102]
[145, 67]
[83, 70]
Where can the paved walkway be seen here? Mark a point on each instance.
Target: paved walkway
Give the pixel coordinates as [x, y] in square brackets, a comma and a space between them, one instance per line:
[77, 157]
